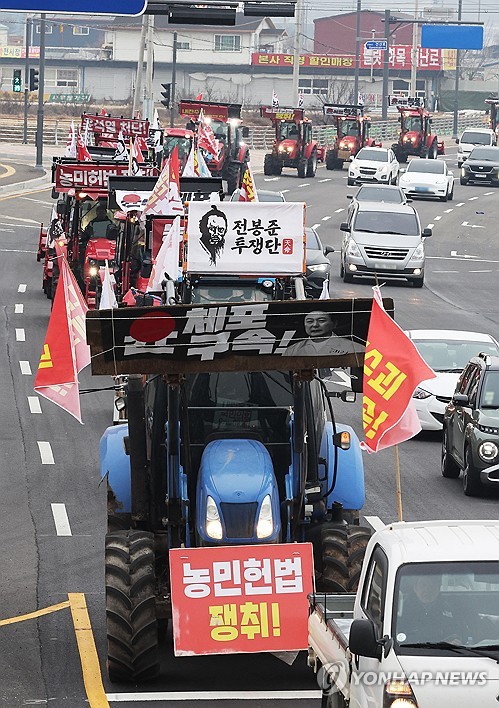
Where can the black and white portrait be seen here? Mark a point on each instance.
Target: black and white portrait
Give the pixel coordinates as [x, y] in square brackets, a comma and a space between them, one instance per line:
[213, 228]
[322, 339]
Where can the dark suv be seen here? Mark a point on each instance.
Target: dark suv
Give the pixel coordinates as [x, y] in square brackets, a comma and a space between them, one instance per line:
[470, 439]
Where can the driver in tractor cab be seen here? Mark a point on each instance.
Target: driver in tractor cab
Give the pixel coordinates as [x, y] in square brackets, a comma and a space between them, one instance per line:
[293, 133]
[352, 129]
[98, 226]
[413, 124]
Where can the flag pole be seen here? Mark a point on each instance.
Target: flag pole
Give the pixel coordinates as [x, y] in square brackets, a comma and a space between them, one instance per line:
[398, 483]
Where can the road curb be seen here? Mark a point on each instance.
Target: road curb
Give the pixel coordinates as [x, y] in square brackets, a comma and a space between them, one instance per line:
[10, 190]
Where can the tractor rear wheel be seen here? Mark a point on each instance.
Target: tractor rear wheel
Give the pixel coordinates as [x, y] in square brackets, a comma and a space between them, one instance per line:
[234, 174]
[330, 160]
[433, 151]
[268, 164]
[343, 550]
[312, 164]
[302, 166]
[132, 627]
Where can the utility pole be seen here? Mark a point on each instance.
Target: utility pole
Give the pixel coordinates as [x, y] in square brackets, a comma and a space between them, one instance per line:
[414, 53]
[174, 81]
[26, 80]
[456, 85]
[148, 107]
[357, 54]
[41, 87]
[386, 68]
[297, 52]
[137, 96]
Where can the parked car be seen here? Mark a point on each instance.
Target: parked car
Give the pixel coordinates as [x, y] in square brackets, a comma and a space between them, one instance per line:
[470, 440]
[318, 264]
[264, 195]
[427, 178]
[472, 137]
[481, 166]
[373, 164]
[447, 351]
[384, 240]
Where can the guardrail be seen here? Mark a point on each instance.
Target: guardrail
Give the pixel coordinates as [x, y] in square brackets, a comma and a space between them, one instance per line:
[260, 138]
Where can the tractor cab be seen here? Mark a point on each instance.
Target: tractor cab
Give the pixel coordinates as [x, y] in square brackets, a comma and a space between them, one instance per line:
[352, 133]
[180, 139]
[294, 145]
[415, 137]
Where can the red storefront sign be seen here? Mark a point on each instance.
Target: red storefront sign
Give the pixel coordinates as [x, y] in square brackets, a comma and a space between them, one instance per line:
[113, 126]
[400, 58]
[91, 177]
[241, 599]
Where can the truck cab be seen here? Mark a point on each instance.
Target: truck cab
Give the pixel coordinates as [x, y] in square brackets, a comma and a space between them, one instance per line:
[422, 629]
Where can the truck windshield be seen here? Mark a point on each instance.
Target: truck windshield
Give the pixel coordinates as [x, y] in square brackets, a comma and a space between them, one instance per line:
[441, 607]
[219, 293]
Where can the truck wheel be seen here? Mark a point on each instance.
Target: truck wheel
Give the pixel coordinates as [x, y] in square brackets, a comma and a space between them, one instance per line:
[343, 549]
[234, 176]
[302, 166]
[132, 628]
[448, 466]
[268, 165]
[472, 485]
[312, 165]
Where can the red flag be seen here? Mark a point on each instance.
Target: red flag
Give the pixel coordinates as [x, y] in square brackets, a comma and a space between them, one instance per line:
[393, 368]
[103, 112]
[199, 97]
[248, 192]
[206, 138]
[83, 154]
[65, 352]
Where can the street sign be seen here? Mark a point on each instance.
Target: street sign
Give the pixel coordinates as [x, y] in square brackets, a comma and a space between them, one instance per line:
[376, 44]
[452, 36]
[76, 7]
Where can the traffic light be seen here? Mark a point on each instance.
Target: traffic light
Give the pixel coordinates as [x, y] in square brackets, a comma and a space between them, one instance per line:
[33, 79]
[16, 81]
[167, 95]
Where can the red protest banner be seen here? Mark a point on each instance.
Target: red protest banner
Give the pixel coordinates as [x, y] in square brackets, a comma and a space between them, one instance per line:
[240, 599]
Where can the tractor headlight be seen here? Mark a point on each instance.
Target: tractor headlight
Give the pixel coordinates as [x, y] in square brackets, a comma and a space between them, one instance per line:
[213, 523]
[93, 269]
[281, 148]
[488, 451]
[290, 148]
[265, 524]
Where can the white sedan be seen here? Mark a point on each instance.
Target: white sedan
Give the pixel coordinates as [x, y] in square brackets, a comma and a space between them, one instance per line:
[373, 164]
[427, 178]
[447, 352]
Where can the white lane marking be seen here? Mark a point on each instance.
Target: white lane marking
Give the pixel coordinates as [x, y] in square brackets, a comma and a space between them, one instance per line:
[448, 211]
[437, 218]
[25, 368]
[460, 204]
[61, 520]
[445, 271]
[375, 522]
[480, 271]
[315, 226]
[45, 453]
[338, 211]
[18, 226]
[39, 201]
[22, 288]
[284, 191]
[305, 184]
[270, 179]
[487, 194]
[34, 404]
[211, 696]
[472, 199]
[8, 231]
[13, 250]
[18, 218]
[472, 226]
[326, 218]
[430, 226]
[465, 223]
[327, 179]
[18, 308]
[20, 335]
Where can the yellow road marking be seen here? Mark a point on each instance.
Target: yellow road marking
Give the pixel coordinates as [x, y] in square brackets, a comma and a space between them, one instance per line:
[88, 653]
[8, 170]
[34, 615]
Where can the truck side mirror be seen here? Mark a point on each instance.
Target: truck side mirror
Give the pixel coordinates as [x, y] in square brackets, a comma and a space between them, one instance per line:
[245, 131]
[460, 399]
[363, 640]
[426, 233]
[344, 226]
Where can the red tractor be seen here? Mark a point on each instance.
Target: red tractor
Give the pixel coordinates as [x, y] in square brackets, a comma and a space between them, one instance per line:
[352, 133]
[415, 137]
[224, 119]
[293, 145]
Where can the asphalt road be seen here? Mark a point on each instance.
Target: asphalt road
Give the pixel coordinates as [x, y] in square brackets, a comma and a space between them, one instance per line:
[47, 458]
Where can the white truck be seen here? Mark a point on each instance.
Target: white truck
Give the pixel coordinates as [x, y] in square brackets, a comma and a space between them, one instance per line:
[422, 631]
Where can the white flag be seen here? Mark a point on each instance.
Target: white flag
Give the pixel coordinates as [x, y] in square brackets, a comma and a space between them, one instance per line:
[71, 142]
[190, 165]
[108, 296]
[167, 260]
[325, 290]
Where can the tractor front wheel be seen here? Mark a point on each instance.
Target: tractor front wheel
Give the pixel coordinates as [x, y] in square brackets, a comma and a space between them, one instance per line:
[132, 627]
[268, 164]
[312, 164]
[234, 173]
[302, 167]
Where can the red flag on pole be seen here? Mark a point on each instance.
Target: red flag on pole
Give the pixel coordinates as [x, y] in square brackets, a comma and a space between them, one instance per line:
[65, 352]
[393, 368]
[83, 154]
[248, 192]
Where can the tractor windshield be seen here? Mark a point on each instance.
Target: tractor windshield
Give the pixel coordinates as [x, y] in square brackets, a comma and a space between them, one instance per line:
[413, 124]
[289, 131]
[182, 143]
[221, 131]
[350, 126]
